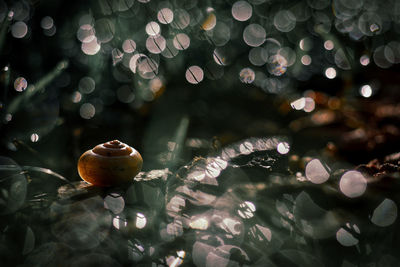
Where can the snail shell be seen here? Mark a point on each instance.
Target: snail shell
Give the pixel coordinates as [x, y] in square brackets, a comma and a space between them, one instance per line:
[109, 164]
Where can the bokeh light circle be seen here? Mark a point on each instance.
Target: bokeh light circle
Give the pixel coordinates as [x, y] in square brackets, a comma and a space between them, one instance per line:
[194, 74]
[254, 35]
[353, 184]
[242, 10]
[165, 16]
[20, 84]
[19, 29]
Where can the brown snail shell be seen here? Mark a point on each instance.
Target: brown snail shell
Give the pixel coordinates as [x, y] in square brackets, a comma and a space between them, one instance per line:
[109, 164]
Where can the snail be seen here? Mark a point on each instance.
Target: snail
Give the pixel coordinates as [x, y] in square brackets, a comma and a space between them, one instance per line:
[108, 164]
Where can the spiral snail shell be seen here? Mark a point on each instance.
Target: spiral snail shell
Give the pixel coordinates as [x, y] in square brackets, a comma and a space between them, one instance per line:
[109, 164]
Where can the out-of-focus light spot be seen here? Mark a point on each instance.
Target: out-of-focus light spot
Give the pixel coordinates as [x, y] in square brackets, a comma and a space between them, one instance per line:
[199, 224]
[258, 56]
[181, 41]
[305, 44]
[91, 48]
[328, 44]
[209, 22]
[85, 33]
[231, 226]
[384, 56]
[288, 54]
[20, 84]
[298, 104]
[165, 16]
[330, 73]
[345, 238]
[221, 34]
[19, 29]
[34, 137]
[181, 253]
[147, 67]
[284, 21]
[156, 44]
[170, 50]
[213, 170]
[87, 111]
[173, 261]
[47, 23]
[129, 46]
[283, 148]
[152, 28]
[353, 184]
[221, 57]
[194, 74]
[119, 223]
[87, 85]
[10, 15]
[105, 30]
[316, 172]
[254, 35]
[364, 60]
[133, 62]
[197, 175]
[116, 56]
[366, 91]
[277, 65]
[246, 148]
[242, 10]
[309, 104]
[374, 27]
[76, 97]
[261, 233]
[306, 60]
[246, 210]
[157, 86]
[385, 214]
[305, 103]
[141, 220]
[247, 75]
[8, 117]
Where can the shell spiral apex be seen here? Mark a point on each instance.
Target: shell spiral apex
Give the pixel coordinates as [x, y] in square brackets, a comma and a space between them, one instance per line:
[110, 163]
